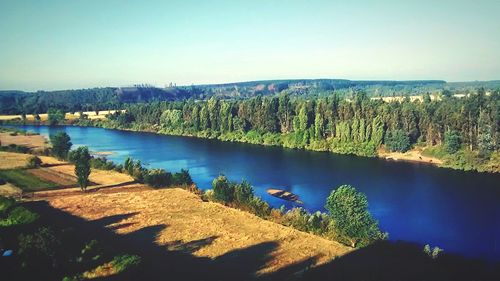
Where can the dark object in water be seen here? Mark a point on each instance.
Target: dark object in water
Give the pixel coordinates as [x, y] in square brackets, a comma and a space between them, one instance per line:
[283, 194]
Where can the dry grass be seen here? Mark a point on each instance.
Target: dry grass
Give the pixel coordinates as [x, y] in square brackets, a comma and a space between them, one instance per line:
[11, 160]
[32, 141]
[190, 219]
[9, 190]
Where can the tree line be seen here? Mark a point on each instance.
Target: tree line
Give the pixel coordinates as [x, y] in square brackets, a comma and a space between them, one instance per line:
[353, 126]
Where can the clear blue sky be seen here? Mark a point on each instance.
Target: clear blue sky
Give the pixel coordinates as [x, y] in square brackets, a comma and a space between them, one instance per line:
[74, 44]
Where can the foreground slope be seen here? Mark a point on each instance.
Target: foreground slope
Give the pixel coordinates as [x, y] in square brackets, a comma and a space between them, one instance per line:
[188, 219]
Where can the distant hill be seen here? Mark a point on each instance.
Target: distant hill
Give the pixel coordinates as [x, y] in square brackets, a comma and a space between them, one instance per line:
[17, 102]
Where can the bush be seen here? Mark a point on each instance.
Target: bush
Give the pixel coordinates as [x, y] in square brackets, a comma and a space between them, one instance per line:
[39, 249]
[19, 215]
[34, 162]
[182, 178]
[123, 262]
[157, 178]
[102, 163]
[259, 207]
[223, 189]
[243, 192]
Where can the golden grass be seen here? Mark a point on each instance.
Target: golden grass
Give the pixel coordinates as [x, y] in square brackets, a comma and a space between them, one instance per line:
[190, 219]
[11, 160]
[32, 141]
[9, 189]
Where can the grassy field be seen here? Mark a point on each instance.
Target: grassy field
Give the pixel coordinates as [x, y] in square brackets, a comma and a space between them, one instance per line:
[24, 180]
[203, 229]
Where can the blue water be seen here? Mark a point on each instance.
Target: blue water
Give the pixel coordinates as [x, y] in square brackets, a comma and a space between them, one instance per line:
[457, 211]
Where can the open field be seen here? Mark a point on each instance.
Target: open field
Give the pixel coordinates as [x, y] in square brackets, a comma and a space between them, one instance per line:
[189, 220]
[12, 160]
[31, 141]
[26, 181]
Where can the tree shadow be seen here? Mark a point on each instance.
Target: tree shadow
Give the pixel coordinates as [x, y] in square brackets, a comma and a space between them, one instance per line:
[402, 261]
[175, 261]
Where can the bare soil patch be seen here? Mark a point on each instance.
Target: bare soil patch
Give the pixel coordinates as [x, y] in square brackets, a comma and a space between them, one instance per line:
[414, 155]
[49, 174]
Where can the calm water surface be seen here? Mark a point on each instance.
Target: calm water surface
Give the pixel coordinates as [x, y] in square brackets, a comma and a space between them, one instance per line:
[457, 211]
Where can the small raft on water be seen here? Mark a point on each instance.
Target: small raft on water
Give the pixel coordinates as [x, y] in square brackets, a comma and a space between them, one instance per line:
[283, 194]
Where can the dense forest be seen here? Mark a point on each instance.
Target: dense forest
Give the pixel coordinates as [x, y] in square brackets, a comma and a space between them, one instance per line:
[17, 102]
[464, 131]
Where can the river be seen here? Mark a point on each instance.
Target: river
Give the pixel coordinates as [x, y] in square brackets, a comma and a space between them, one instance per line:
[455, 210]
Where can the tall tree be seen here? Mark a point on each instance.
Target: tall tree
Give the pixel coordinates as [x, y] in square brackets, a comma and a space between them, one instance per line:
[81, 158]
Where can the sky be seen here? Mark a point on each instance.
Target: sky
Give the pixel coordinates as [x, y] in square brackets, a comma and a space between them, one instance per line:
[48, 45]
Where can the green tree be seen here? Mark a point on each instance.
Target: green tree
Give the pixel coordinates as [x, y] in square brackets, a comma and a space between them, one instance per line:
[55, 116]
[319, 126]
[451, 141]
[303, 118]
[61, 144]
[351, 219]
[81, 158]
[223, 189]
[485, 135]
[398, 141]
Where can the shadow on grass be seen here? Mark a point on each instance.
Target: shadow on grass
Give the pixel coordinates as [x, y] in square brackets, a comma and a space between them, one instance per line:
[402, 261]
[176, 261]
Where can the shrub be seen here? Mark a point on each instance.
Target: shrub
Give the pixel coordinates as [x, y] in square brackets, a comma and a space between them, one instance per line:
[243, 192]
[182, 178]
[118, 265]
[19, 215]
[34, 162]
[223, 189]
[102, 163]
[123, 262]
[435, 252]
[39, 249]
[259, 207]
[157, 178]
[2, 181]
[349, 211]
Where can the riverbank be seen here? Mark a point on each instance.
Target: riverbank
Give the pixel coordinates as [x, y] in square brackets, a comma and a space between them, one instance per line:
[465, 160]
